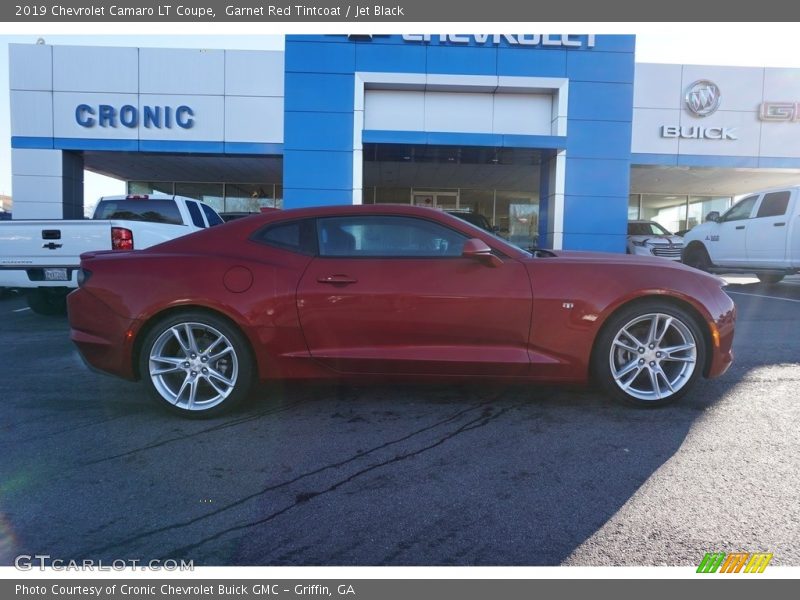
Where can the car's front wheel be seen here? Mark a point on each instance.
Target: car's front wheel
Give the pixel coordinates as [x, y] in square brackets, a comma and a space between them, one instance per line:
[196, 364]
[649, 354]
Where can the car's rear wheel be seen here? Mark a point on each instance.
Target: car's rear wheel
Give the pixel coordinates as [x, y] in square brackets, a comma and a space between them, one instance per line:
[649, 354]
[44, 301]
[770, 277]
[697, 256]
[196, 364]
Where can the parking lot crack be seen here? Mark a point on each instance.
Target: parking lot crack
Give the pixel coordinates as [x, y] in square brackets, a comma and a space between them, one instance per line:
[468, 426]
[481, 421]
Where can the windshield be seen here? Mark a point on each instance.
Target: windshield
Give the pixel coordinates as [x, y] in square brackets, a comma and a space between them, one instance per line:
[648, 228]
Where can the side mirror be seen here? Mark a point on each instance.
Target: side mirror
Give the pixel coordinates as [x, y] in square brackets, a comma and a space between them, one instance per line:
[479, 250]
[713, 216]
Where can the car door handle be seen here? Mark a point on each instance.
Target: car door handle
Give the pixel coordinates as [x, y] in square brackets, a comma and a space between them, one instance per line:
[778, 224]
[740, 227]
[337, 280]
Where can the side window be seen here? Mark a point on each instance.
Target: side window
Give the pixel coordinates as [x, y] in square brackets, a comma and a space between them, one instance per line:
[194, 212]
[212, 217]
[294, 236]
[387, 236]
[774, 204]
[740, 210]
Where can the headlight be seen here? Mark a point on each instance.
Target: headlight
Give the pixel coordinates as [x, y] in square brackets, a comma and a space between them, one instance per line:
[637, 243]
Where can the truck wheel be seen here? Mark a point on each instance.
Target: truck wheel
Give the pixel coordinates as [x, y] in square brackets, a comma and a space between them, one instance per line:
[47, 302]
[649, 354]
[196, 364]
[697, 256]
[770, 277]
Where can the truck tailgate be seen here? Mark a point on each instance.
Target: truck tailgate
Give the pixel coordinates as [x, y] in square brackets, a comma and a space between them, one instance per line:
[51, 243]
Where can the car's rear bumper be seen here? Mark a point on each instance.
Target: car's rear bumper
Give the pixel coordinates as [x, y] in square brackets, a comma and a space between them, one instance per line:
[104, 339]
[33, 277]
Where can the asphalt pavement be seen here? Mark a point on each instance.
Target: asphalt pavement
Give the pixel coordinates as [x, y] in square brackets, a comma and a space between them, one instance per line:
[403, 475]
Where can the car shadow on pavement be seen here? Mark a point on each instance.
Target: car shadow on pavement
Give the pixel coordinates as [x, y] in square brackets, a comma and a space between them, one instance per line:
[490, 475]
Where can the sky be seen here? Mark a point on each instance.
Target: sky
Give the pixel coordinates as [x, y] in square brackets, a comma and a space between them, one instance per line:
[754, 45]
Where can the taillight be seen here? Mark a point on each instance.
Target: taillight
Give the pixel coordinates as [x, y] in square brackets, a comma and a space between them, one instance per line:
[83, 276]
[121, 238]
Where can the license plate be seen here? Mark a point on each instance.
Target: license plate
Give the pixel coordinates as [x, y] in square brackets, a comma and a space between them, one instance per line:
[55, 275]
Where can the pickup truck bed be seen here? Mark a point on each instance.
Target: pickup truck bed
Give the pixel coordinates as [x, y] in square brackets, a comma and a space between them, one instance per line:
[43, 257]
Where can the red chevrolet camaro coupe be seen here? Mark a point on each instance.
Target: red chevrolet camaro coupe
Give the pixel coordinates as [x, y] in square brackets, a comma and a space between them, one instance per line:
[390, 291]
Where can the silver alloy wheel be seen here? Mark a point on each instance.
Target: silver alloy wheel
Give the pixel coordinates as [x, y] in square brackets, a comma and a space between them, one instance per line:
[653, 356]
[193, 366]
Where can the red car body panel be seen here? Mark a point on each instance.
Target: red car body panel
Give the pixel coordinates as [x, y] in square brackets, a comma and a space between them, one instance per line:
[530, 317]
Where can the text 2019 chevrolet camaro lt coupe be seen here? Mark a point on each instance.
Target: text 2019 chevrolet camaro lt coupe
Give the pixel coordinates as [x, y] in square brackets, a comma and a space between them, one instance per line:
[391, 292]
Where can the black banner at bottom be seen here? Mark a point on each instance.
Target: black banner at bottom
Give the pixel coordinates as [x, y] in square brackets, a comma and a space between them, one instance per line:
[377, 589]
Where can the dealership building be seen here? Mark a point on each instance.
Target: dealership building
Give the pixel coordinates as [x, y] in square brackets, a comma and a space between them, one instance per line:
[558, 139]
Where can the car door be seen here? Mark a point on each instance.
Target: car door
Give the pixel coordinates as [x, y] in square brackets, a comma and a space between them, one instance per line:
[727, 245]
[392, 294]
[767, 231]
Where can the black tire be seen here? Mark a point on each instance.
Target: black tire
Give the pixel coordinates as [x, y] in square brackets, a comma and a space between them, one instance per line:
[195, 366]
[770, 277]
[680, 368]
[47, 302]
[697, 256]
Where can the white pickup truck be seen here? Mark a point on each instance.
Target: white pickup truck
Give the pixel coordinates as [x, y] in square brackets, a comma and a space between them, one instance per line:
[42, 257]
[759, 234]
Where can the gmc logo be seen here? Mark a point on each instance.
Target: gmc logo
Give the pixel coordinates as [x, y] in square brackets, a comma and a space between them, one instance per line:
[779, 111]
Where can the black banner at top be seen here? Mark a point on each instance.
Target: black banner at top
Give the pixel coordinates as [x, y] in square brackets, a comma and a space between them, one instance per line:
[445, 11]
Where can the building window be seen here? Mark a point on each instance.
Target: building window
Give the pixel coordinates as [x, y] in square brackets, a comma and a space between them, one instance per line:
[224, 197]
[514, 213]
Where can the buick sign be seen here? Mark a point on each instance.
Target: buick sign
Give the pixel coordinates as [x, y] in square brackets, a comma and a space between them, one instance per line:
[702, 97]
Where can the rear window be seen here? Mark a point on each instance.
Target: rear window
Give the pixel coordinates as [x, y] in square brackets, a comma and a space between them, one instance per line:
[295, 236]
[152, 211]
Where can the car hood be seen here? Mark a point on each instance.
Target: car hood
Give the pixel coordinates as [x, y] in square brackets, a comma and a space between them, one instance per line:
[657, 239]
[609, 258]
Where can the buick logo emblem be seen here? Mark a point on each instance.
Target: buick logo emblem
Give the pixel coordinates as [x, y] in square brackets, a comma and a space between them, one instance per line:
[702, 97]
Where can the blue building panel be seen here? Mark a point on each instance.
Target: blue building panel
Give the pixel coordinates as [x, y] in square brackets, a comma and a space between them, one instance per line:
[599, 139]
[462, 60]
[391, 58]
[596, 242]
[527, 62]
[115, 145]
[195, 147]
[319, 57]
[600, 101]
[253, 148]
[667, 160]
[318, 131]
[33, 143]
[317, 169]
[302, 198]
[319, 106]
[595, 214]
[597, 177]
[615, 67]
[700, 160]
[324, 92]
